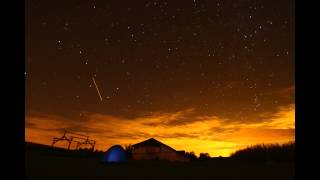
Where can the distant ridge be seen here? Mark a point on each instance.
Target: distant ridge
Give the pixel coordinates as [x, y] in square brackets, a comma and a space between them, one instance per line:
[35, 144]
[38, 146]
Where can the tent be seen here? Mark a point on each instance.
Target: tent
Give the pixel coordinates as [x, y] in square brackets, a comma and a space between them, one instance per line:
[115, 154]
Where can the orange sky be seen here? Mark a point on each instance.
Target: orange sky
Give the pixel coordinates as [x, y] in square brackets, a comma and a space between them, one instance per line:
[218, 137]
[202, 77]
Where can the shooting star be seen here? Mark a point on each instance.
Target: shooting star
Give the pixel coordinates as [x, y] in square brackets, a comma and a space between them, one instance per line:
[95, 84]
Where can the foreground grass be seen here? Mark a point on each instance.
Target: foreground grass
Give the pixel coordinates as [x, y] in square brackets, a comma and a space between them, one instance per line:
[46, 166]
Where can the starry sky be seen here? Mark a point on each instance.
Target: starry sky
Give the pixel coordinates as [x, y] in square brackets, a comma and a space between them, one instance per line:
[199, 75]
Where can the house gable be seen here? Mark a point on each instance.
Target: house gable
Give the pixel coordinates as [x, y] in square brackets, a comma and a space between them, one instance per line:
[153, 149]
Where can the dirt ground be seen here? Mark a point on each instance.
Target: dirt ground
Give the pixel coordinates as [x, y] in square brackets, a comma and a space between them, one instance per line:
[41, 166]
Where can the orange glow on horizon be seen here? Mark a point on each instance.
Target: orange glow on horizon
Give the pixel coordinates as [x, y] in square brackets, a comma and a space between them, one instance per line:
[210, 134]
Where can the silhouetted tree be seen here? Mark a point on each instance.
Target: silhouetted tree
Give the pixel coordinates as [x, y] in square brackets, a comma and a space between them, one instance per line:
[191, 156]
[128, 149]
[204, 156]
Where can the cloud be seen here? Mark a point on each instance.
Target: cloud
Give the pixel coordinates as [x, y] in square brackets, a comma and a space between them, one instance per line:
[284, 118]
[286, 92]
[172, 119]
[219, 130]
[201, 134]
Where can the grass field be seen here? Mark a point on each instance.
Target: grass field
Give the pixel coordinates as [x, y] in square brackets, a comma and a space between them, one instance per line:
[46, 166]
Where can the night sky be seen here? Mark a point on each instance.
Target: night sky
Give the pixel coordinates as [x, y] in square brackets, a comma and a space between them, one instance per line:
[199, 75]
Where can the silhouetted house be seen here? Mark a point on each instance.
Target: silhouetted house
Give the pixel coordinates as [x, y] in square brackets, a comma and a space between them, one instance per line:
[153, 149]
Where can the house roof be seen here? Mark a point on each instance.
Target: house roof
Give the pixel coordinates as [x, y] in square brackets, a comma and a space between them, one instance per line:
[151, 142]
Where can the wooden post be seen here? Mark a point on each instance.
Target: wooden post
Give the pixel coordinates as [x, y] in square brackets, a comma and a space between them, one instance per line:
[53, 142]
[94, 143]
[69, 145]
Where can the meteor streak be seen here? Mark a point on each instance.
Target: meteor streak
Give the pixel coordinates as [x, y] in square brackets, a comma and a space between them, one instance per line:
[95, 84]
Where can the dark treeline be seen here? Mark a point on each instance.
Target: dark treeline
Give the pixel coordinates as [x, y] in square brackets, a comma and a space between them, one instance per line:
[256, 153]
[267, 152]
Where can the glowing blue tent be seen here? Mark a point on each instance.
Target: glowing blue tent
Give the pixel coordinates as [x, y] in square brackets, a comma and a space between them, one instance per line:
[115, 154]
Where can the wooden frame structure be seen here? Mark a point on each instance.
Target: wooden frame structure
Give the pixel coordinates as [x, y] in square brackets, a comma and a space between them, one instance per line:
[74, 137]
